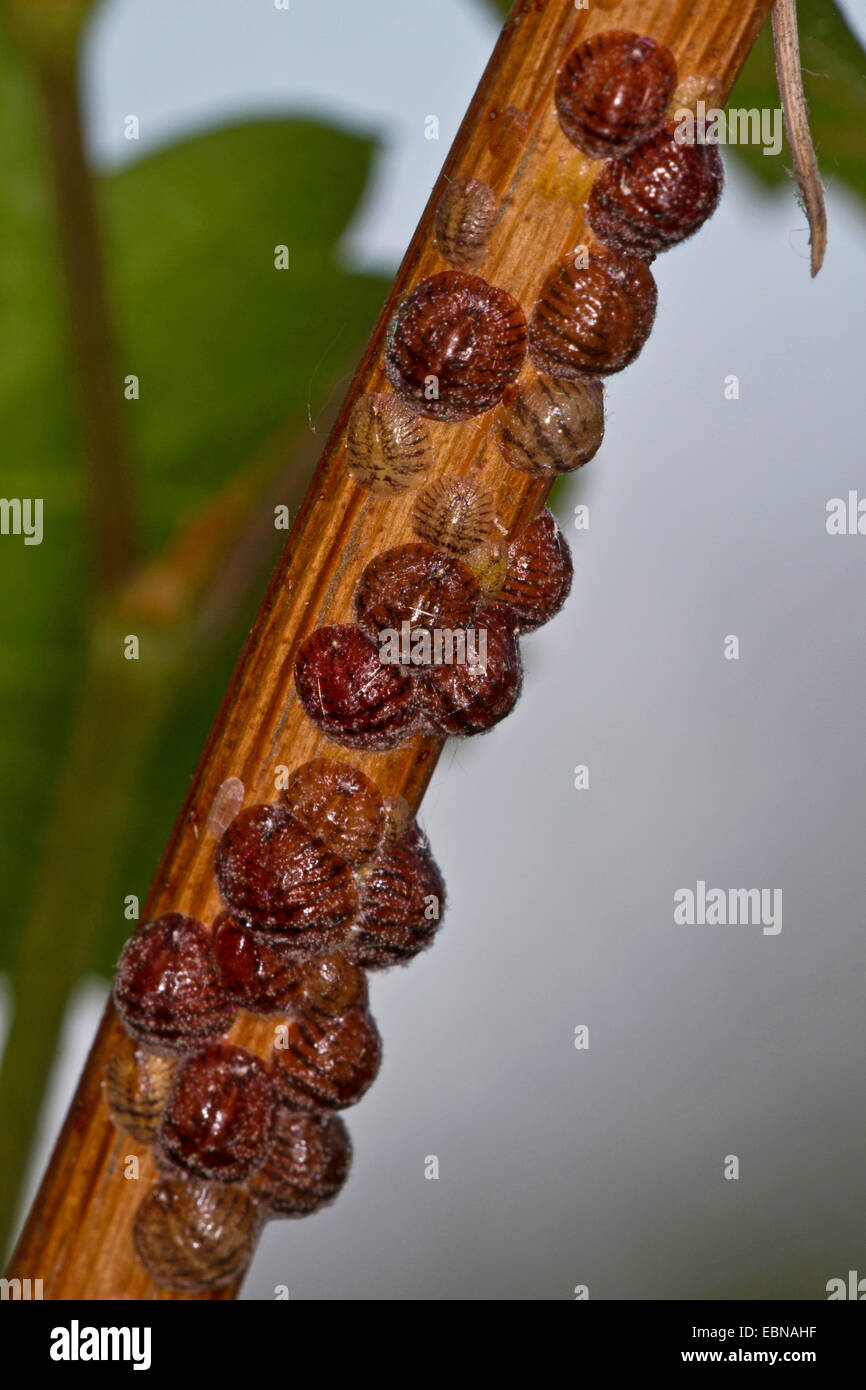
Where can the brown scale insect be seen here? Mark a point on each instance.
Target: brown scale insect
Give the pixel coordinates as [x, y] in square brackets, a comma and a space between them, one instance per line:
[415, 584]
[307, 1166]
[388, 445]
[193, 1236]
[591, 320]
[279, 879]
[454, 345]
[329, 987]
[402, 901]
[551, 427]
[166, 989]
[260, 976]
[137, 1084]
[612, 90]
[657, 195]
[508, 131]
[470, 697]
[350, 694]
[399, 816]
[218, 1121]
[539, 574]
[456, 514]
[329, 1065]
[488, 563]
[464, 221]
[340, 806]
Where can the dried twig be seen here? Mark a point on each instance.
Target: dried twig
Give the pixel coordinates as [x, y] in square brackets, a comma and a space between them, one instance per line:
[790, 77]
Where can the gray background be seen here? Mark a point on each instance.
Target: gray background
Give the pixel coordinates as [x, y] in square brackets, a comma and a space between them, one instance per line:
[604, 1167]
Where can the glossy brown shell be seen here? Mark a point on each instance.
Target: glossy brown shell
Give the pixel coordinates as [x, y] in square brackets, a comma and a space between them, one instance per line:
[657, 195]
[416, 584]
[350, 694]
[550, 427]
[166, 989]
[338, 804]
[218, 1121]
[468, 698]
[278, 878]
[329, 987]
[388, 446]
[540, 571]
[508, 131]
[395, 921]
[612, 90]
[136, 1085]
[330, 1065]
[592, 320]
[456, 514]
[193, 1236]
[459, 335]
[307, 1165]
[464, 221]
[259, 975]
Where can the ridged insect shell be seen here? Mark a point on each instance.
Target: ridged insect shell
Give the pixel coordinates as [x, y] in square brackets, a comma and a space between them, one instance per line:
[339, 805]
[388, 446]
[279, 879]
[327, 1065]
[454, 345]
[193, 1236]
[329, 987]
[350, 694]
[257, 974]
[219, 1119]
[136, 1086]
[402, 902]
[591, 320]
[166, 990]
[456, 514]
[612, 90]
[549, 427]
[539, 575]
[416, 584]
[657, 195]
[464, 221]
[463, 698]
[307, 1166]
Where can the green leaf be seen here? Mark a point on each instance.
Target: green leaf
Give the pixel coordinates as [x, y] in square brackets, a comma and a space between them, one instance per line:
[228, 350]
[834, 68]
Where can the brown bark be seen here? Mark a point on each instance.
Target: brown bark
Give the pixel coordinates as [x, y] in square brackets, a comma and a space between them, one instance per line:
[77, 1238]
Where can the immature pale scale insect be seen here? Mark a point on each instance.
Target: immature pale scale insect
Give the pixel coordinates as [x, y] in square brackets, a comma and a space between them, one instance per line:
[612, 90]
[488, 562]
[657, 195]
[166, 989]
[350, 694]
[193, 1236]
[402, 901]
[339, 805]
[388, 445]
[326, 1065]
[306, 1167]
[454, 345]
[456, 514]
[509, 128]
[279, 879]
[416, 584]
[137, 1084]
[258, 975]
[469, 697]
[549, 427]
[219, 1119]
[539, 574]
[226, 803]
[464, 221]
[592, 319]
